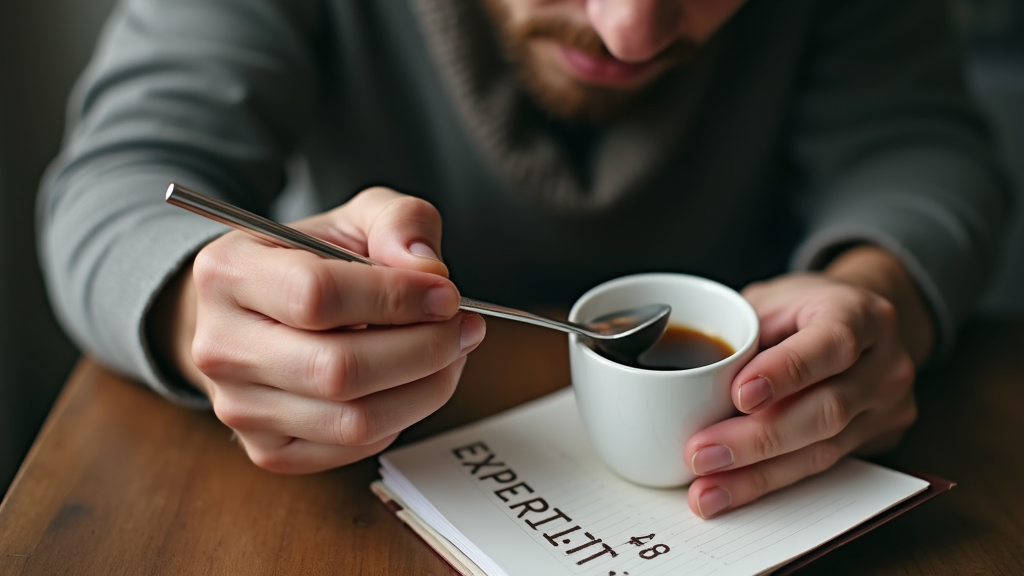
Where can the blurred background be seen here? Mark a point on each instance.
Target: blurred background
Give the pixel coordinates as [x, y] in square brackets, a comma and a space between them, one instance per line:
[45, 43]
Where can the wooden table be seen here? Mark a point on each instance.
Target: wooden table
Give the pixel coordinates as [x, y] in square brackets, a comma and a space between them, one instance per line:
[122, 482]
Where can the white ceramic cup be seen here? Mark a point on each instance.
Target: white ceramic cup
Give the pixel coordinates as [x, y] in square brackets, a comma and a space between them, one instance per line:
[639, 420]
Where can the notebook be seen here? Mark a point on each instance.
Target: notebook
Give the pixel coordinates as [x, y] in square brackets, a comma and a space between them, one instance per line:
[524, 493]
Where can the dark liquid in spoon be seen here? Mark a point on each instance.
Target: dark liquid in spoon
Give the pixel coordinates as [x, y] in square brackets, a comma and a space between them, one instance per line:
[682, 348]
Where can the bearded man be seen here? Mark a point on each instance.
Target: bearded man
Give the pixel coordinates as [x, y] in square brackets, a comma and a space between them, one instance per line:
[821, 154]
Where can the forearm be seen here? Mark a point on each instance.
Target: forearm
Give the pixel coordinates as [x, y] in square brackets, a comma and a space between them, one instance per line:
[879, 271]
[108, 244]
[905, 166]
[148, 111]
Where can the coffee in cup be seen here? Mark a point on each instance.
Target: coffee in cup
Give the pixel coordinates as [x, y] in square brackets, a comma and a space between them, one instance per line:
[681, 348]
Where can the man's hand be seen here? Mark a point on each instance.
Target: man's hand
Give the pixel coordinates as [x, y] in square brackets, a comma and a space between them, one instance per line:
[835, 376]
[317, 363]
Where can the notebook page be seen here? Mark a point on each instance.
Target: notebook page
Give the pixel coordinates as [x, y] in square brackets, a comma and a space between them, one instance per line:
[523, 493]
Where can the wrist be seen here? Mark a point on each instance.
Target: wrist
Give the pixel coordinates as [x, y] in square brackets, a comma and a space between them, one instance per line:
[170, 328]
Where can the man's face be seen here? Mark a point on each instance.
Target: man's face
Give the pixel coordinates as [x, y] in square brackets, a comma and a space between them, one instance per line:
[588, 59]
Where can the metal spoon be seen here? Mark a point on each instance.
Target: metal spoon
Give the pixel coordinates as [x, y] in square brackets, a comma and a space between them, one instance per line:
[622, 335]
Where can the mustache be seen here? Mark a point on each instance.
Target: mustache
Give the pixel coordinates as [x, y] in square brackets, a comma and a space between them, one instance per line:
[578, 37]
[588, 41]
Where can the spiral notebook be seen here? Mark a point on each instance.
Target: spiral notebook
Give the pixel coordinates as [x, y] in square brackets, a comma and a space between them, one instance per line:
[524, 493]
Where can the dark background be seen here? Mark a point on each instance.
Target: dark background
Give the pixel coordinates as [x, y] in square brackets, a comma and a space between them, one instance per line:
[45, 43]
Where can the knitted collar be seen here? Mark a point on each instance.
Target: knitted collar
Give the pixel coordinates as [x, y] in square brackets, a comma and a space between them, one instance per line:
[497, 114]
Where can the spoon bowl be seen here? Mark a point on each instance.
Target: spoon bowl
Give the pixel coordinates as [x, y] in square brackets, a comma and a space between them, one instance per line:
[626, 334]
[622, 335]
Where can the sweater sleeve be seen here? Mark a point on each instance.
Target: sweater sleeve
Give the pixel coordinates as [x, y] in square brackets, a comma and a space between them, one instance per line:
[892, 153]
[208, 93]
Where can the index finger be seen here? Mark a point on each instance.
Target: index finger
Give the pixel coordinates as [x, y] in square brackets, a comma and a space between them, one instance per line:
[824, 348]
[310, 293]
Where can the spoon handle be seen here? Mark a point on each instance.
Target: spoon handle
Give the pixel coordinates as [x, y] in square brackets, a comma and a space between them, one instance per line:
[288, 237]
[471, 305]
[258, 226]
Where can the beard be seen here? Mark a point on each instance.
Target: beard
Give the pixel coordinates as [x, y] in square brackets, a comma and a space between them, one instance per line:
[559, 94]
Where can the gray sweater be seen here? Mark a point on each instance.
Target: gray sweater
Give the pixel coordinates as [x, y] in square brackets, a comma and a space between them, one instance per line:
[802, 127]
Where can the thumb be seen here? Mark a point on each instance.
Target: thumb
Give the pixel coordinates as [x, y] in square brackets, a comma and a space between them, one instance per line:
[394, 229]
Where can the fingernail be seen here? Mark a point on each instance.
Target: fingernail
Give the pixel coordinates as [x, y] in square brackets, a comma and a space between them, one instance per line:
[473, 330]
[755, 392]
[710, 458]
[424, 251]
[712, 501]
[441, 301]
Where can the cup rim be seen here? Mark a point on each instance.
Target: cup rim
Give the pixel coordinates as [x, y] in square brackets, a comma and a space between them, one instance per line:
[740, 352]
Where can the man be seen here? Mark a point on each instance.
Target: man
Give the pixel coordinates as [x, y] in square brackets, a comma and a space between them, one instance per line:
[564, 142]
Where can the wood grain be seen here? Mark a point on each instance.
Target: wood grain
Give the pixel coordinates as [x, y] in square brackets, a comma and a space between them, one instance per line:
[122, 482]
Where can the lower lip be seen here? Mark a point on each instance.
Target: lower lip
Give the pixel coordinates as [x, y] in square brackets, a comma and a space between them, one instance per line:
[600, 70]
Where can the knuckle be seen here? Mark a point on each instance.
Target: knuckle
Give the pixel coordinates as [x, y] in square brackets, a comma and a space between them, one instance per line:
[270, 460]
[846, 344]
[373, 195]
[796, 368]
[334, 373]
[416, 208]
[766, 442]
[860, 298]
[904, 371]
[210, 266]
[833, 414]
[392, 301]
[375, 191]
[203, 268]
[761, 481]
[210, 355]
[354, 427]
[441, 351]
[885, 311]
[413, 213]
[823, 456]
[231, 412]
[306, 291]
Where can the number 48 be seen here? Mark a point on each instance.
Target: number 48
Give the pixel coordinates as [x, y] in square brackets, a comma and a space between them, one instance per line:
[648, 553]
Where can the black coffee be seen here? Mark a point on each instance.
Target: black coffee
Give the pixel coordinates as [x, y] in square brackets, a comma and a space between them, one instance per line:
[682, 348]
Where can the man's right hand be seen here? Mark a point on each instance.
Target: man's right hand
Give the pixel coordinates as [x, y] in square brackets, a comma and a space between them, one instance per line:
[317, 363]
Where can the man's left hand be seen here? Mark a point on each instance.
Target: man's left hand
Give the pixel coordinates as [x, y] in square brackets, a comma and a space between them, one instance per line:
[835, 375]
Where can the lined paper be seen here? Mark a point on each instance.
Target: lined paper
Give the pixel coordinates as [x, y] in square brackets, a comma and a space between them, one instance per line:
[524, 493]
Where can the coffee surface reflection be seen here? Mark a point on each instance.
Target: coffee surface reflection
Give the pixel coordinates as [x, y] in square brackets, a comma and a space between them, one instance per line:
[683, 348]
